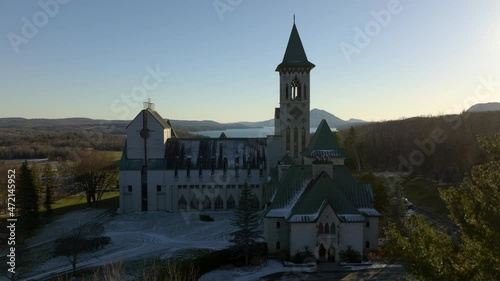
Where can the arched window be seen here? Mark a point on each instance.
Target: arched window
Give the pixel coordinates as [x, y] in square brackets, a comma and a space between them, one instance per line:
[303, 139]
[320, 228]
[367, 244]
[305, 92]
[219, 204]
[231, 204]
[296, 89]
[207, 204]
[287, 140]
[182, 204]
[327, 228]
[286, 91]
[278, 245]
[333, 228]
[237, 166]
[224, 166]
[195, 204]
[212, 165]
[278, 224]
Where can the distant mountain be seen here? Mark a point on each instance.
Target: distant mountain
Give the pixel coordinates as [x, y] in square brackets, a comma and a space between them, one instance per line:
[207, 125]
[481, 107]
[118, 126]
[316, 116]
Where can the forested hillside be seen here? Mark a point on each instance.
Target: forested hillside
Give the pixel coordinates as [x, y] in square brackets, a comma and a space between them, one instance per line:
[441, 148]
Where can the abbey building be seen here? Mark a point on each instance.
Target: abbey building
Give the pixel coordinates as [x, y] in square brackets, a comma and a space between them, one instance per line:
[309, 199]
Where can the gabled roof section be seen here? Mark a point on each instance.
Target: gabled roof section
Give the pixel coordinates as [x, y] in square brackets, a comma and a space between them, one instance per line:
[323, 143]
[287, 160]
[165, 124]
[295, 56]
[324, 190]
[288, 190]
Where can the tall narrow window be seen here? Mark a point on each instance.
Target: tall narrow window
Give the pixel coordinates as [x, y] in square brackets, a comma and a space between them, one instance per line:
[237, 166]
[367, 244]
[333, 230]
[176, 172]
[295, 89]
[212, 166]
[327, 228]
[303, 139]
[320, 228]
[296, 142]
[278, 245]
[287, 140]
[305, 92]
[224, 167]
[286, 91]
[278, 224]
[188, 169]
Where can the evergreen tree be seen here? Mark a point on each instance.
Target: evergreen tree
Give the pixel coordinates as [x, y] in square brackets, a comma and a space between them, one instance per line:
[430, 254]
[246, 219]
[48, 182]
[28, 199]
[352, 147]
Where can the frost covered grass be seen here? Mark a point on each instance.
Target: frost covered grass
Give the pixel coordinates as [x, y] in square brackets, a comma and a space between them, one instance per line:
[134, 237]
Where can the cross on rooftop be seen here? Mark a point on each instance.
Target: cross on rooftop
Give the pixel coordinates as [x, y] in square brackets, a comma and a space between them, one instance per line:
[149, 105]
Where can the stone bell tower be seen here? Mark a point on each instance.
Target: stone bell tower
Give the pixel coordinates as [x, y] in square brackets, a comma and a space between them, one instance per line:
[292, 118]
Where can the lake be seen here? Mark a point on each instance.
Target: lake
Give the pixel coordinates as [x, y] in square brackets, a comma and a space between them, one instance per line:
[242, 133]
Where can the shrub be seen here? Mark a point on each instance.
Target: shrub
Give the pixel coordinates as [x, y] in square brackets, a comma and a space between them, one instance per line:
[350, 255]
[303, 257]
[211, 261]
[204, 217]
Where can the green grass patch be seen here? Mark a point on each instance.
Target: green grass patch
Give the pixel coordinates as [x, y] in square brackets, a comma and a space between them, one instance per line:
[114, 155]
[109, 200]
[424, 194]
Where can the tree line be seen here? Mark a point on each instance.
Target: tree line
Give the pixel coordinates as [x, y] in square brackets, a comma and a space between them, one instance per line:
[441, 148]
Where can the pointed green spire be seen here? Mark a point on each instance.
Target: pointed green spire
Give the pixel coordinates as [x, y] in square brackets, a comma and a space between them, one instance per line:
[295, 56]
[323, 143]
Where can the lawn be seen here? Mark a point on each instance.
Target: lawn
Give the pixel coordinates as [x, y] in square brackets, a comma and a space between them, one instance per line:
[109, 200]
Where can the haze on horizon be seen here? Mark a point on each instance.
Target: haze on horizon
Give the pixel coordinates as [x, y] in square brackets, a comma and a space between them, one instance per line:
[215, 59]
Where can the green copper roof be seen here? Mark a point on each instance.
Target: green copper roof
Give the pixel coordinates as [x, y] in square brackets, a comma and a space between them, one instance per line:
[295, 56]
[323, 143]
[288, 190]
[287, 160]
[348, 198]
[298, 198]
[322, 190]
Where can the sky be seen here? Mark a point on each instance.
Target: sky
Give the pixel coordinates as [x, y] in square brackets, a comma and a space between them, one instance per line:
[216, 59]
